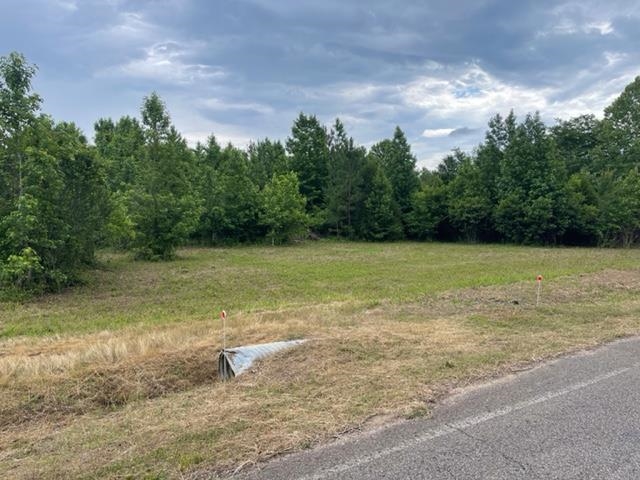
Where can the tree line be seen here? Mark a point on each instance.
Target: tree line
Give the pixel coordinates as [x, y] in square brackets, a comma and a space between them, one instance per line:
[141, 188]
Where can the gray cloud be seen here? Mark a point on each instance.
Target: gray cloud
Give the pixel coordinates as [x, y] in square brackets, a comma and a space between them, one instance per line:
[244, 69]
[464, 132]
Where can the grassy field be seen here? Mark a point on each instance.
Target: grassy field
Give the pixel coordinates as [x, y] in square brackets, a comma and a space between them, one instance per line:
[116, 378]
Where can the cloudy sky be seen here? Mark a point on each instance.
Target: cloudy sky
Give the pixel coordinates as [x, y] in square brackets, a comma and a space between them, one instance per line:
[244, 69]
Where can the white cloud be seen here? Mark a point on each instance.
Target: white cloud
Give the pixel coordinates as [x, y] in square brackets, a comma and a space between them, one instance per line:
[167, 62]
[68, 5]
[613, 58]
[352, 120]
[437, 132]
[567, 26]
[217, 104]
[431, 160]
[594, 99]
[439, 100]
[196, 127]
[354, 92]
[128, 27]
[603, 28]
[131, 25]
[564, 27]
[222, 133]
[471, 94]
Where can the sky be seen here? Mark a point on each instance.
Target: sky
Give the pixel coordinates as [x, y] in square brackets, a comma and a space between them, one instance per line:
[244, 69]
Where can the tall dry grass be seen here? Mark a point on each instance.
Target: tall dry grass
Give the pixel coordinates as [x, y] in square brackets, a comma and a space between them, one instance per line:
[146, 402]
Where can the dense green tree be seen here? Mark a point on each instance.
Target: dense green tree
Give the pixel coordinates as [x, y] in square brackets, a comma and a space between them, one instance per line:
[33, 231]
[33, 222]
[576, 139]
[18, 111]
[469, 207]
[429, 208]
[120, 147]
[618, 146]
[448, 167]
[309, 152]
[266, 159]
[232, 205]
[630, 195]
[18, 104]
[142, 188]
[208, 156]
[53, 200]
[619, 208]
[283, 208]
[531, 202]
[378, 218]
[399, 165]
[163, 207]
[85, 199]
[207, 159]
[582, 210]
[344, 189]
[490, 154]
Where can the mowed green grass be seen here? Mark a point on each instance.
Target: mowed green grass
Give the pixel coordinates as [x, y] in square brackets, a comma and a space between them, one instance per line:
[121, 402]
[202, 281]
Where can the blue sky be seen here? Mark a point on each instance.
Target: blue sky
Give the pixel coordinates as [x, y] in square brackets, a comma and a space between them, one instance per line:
[244, 69]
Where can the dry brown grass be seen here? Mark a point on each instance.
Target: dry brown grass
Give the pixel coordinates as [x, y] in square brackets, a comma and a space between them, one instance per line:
[146, 403]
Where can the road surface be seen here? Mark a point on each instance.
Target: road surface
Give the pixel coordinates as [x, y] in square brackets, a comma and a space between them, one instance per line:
[573, 418]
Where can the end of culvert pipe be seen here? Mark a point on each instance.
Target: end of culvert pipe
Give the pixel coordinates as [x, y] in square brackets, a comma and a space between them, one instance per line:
[225, 372]
[234, 361]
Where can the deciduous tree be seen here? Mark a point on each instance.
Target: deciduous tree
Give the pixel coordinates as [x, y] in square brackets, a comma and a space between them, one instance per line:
[283, 208]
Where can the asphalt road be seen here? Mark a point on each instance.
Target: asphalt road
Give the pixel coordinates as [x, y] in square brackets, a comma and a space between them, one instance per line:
[573, 418]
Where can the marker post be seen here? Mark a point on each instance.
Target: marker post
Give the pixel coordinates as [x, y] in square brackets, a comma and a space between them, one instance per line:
[223, 316]
[539, 281]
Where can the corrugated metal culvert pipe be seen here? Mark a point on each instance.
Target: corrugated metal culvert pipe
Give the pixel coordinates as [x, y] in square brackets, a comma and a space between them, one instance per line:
[234, 361]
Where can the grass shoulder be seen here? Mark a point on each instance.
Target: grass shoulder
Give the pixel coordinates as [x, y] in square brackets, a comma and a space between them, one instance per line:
[113, 373]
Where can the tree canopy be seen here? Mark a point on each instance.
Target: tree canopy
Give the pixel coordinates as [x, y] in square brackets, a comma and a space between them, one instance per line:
[141, 187]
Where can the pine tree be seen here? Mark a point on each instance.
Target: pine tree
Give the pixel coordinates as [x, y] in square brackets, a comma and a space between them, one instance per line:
[232, 205]
[207, 159]
[309, 159]
[346, 162]
[378, 217]
[163, 207]
[399, 166]
[266, 159]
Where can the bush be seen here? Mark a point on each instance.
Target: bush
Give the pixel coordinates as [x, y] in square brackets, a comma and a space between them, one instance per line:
[22, 272]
